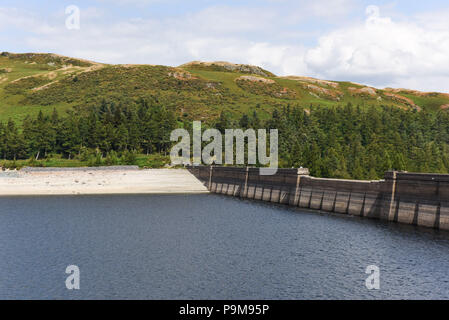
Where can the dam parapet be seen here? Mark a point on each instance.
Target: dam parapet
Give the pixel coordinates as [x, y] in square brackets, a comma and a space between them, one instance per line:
[409, 198]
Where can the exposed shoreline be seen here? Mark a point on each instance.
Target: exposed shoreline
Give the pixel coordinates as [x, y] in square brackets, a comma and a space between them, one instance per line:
[98, 181]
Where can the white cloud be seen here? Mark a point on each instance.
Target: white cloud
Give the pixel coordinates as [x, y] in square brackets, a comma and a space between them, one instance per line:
[380, 51]
[131, 2]
[384, 52]
[216, 33]
[329, 8]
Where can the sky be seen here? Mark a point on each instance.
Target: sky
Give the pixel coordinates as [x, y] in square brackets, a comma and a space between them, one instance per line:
[401, 44]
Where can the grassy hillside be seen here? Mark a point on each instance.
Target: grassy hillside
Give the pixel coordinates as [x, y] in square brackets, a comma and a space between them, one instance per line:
[23, 74]
[124, 114]
[30, 83]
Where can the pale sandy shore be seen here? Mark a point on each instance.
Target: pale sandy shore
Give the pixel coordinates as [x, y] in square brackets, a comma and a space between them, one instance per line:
[94, 181]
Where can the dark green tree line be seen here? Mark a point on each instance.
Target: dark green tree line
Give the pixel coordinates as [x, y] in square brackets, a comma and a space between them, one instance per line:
[338, 142]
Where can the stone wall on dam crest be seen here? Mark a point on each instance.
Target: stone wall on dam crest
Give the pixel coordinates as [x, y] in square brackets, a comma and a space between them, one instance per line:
[410, 198]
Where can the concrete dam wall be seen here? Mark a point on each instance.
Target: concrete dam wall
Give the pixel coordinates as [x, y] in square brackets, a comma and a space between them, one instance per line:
[410, 198]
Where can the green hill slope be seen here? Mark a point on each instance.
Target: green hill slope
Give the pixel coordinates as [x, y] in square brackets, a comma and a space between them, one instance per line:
[30, 83]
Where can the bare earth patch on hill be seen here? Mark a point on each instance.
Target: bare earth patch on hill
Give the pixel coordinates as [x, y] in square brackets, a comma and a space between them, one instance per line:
[314, 81]
[262, 86]
[182, 75]
[399, 98]
[256, 79]
[321, 92]
[229, 67]
[415, 92]
[365, 91]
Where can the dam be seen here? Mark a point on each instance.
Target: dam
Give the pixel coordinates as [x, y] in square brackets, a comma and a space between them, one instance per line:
[410, 198]
[420, 199]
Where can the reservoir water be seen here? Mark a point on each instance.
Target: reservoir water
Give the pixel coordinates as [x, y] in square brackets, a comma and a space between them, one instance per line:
[209, 247]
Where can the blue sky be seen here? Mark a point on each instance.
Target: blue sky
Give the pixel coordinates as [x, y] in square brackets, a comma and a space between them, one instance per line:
[379, 43]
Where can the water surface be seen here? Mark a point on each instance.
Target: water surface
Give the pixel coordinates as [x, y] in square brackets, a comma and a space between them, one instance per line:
[209, 247]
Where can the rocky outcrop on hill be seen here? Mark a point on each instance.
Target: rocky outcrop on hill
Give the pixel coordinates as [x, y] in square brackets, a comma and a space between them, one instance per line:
[402, 99]
[314, 81]
[232, 67]
[363, 91]
[255, 79]
[51, 59]
[181, 75]
[321, 92]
